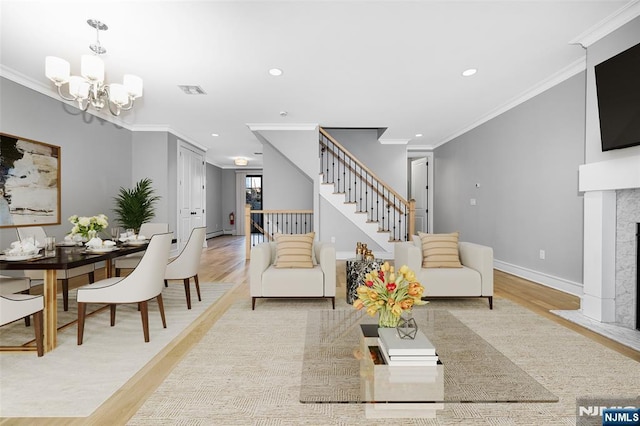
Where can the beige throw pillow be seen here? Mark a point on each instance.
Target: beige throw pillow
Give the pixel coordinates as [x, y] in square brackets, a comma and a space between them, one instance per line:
[440, 250]
[294, 251]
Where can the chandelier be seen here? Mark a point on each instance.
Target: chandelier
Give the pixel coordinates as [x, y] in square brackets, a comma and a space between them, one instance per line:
[89, 89]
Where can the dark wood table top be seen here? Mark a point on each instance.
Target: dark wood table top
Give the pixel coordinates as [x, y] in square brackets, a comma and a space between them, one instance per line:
[70, 257]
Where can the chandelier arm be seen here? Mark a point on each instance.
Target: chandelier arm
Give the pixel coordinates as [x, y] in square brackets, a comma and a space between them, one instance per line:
[116, 112]
[86, 107]
[63, 96]
[128, 106]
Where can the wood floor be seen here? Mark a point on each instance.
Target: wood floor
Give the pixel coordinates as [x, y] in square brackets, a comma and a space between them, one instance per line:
[224, 261]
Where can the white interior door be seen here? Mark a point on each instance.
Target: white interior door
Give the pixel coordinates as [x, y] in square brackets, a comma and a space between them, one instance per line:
[191, 193]
[420, 192]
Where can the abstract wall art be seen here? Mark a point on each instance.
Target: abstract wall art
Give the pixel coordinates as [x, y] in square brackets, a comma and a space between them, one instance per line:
[29, 182]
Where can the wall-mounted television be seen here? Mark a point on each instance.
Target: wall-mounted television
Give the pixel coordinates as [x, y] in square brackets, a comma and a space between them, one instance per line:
[618, 91]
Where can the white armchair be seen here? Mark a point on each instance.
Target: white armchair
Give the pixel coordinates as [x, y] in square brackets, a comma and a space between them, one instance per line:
[186, 265]
[267, 281]
[473, 279]
[143, 284]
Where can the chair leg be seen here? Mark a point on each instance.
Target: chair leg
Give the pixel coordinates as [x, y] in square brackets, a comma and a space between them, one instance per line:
[187, 292]
[27, 319]
[92, 277]
[117, 272]
[197, 287]
[253, 303]
[37, 326]
[113, 314]
[82, 309]
[333, 302]
[144, 313]
[490, 302]
[166, 284]
[161, 308]
[65, 294]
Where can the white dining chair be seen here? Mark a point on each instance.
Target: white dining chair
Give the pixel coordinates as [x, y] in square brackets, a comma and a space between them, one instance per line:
[37, 277]
[185, 266]
[144, 283]
[131, 261]
[17, 306]
[13, 285]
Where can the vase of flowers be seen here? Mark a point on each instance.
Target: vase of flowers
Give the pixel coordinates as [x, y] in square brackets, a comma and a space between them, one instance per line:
[388, 294]
[88, 227]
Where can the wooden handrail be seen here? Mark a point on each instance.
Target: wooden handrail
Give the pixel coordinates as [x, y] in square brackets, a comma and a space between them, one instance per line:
[358, 162]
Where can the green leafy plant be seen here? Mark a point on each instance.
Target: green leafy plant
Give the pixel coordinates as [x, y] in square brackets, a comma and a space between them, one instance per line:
[136, 206]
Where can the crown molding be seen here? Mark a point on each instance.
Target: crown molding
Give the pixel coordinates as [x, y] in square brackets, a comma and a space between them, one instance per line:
[609, 24]
[169, 129]
[256, 127]
[420, 148]
[394, 141]
[567, 72]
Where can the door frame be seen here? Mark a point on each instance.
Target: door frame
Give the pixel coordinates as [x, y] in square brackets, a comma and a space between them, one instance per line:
[414, 155]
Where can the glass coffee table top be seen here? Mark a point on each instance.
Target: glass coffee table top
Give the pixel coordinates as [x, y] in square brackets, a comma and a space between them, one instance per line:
[337, 365]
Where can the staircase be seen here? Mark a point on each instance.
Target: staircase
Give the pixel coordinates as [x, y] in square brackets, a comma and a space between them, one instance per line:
[370, 204]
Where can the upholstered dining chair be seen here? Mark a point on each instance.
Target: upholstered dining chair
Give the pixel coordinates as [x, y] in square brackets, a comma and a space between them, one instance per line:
[131, 261]
[17, 306]
[186, 265]
[13, 285]
[144, 283]
[37, 277]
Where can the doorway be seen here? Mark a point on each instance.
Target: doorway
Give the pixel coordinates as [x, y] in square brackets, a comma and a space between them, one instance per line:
[420, 176]
[253, 197]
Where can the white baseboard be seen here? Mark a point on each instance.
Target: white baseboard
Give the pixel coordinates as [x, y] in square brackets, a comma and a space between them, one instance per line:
[214, 234]
[229, 232]
[561, 284]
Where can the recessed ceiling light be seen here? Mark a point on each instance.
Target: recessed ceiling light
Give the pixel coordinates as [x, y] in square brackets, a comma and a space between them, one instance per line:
[215, 135]
[240, 161]
[275, 72]
[469, 72]
[418, 135]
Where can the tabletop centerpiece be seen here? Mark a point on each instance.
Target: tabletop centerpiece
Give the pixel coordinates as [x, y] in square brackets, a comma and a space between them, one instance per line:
[88, 227]
[389, 294]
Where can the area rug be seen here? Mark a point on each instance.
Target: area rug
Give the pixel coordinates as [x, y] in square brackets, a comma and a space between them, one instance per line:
[247, 370]
[72, 380]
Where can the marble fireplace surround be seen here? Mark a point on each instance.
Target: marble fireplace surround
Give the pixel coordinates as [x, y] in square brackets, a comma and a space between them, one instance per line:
[611, 210]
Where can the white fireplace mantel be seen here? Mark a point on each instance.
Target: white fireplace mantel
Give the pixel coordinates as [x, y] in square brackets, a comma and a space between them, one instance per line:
[599, 181]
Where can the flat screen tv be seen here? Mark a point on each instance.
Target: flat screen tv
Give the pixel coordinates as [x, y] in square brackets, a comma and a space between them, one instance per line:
[618, 91]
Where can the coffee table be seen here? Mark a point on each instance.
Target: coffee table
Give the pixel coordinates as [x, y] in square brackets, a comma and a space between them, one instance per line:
[337, 366]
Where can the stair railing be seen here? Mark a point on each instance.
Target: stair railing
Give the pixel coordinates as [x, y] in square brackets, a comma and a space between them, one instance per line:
[360, 186]
[262, 225]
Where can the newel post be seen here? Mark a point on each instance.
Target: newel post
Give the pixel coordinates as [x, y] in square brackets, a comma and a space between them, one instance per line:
[247, 230]
[411, 223]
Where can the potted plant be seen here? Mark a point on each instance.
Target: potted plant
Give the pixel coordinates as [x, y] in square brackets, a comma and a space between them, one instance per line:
[135, 206]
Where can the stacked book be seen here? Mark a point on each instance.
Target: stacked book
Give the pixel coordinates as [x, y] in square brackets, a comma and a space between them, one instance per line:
[406, 352]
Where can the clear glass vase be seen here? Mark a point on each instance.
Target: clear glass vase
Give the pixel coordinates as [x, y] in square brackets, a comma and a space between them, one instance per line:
[386, 319]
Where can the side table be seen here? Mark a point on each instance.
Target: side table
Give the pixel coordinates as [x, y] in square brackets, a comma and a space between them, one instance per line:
[356, 271]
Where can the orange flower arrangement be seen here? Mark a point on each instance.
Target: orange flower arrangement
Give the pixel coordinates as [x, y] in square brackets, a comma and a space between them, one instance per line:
[389, 294]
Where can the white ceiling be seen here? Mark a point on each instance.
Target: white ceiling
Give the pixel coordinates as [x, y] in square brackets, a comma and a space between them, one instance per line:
[393, 64]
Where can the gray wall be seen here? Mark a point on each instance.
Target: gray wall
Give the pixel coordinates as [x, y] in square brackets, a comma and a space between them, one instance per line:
[623, 38]
[284, 185]
[214, 196]
[526, 163]
[96, 155]
[154, 146]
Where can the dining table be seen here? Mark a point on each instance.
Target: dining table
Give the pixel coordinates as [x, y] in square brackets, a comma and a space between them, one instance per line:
[65, 257]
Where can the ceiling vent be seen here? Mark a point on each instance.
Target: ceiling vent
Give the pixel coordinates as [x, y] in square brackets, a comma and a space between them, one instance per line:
[192, 90]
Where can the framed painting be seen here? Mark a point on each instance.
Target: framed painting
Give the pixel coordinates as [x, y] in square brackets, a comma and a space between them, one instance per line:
[29, 182]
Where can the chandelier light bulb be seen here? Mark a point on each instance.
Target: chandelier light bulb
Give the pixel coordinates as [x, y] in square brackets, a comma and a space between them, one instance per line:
[78, 87]
[118, 94]
[92, 68]
[133, 84]
[57, 70]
